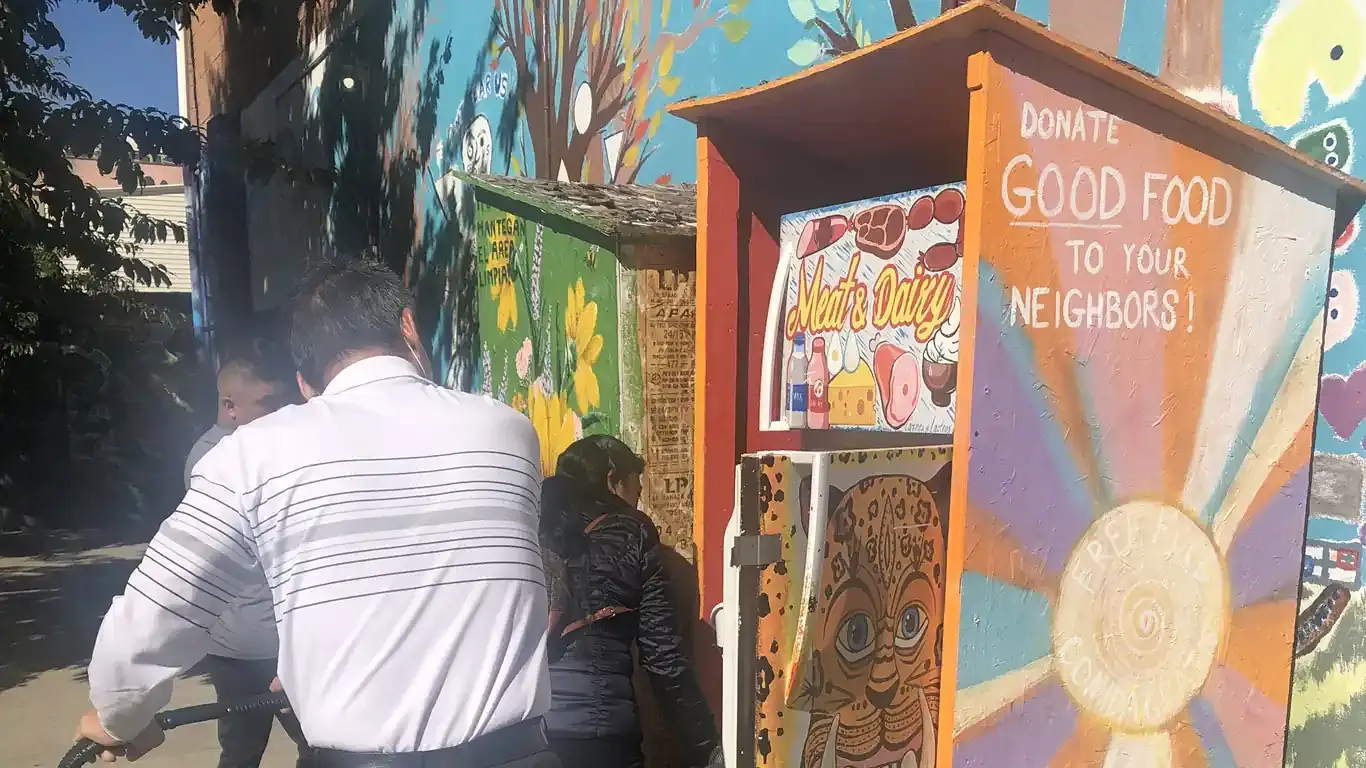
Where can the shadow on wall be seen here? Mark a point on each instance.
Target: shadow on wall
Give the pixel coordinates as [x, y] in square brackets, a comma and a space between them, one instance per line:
[363, 124]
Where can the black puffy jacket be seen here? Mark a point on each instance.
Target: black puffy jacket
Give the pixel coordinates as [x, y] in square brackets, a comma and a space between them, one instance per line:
[620, 596]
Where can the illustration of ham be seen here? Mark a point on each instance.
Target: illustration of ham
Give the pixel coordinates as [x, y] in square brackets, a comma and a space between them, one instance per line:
[819, 234]
[880, 230]
[898, 383]
[945, 208]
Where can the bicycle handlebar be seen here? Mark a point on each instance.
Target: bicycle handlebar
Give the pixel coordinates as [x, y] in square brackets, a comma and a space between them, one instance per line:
[85, 750]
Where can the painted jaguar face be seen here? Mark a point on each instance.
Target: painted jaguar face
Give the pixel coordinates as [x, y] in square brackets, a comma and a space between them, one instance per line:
[873, 685]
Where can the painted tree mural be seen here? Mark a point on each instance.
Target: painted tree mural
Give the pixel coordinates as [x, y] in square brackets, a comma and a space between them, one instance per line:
[587, 72]
[836, 27]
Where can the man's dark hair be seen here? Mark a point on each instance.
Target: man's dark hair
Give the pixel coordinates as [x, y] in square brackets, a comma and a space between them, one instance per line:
[597, 461]
[344, 305]
[257, 358]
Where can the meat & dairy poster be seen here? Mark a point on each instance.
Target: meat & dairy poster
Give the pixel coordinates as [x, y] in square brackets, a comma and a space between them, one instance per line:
[871, 313]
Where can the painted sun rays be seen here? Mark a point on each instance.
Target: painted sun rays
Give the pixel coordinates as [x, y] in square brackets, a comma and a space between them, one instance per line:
[1043, 456]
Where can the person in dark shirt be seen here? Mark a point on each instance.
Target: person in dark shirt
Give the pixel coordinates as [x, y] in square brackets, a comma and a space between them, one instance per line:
[609, 592]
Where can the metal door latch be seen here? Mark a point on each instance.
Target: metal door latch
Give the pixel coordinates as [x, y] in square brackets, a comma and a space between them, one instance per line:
[756, 551]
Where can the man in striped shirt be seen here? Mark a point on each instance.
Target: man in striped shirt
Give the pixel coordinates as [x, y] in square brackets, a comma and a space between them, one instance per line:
[394, 524]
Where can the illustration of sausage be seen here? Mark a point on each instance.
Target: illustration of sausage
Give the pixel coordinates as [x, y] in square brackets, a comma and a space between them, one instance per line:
[819, 234]
[880, 230]
[1316, 621]
[946, 207]
[921, 213]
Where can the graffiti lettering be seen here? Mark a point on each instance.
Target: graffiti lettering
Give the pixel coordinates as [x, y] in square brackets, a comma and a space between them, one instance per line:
[821, 307]
[1080, 196]
[499, 275]
[1194, 201]
[1153, 308]
[674, 313]
[922, 301]
[1148, 260]
[1067, 124]
[1088, 196]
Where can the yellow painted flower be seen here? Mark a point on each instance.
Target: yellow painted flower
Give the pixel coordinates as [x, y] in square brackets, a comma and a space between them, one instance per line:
[518, 402]
[505, 294]
[554, 422]
[581, 325]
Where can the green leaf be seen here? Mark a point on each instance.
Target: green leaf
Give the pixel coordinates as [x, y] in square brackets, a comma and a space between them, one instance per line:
[593, 419]
[804, 52]
[802, 10]
[1329, 143]
[735, 29]
[736, 6]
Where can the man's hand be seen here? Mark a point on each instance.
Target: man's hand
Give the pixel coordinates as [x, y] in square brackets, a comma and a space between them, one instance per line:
[278, 687]
[145, 742]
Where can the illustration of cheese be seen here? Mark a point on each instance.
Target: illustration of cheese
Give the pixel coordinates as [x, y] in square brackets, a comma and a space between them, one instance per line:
[852, 398]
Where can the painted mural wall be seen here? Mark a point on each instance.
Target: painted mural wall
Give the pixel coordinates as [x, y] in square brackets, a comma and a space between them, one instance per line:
[548, 331]
[1135, 512]
[849, 645]
[465, 90]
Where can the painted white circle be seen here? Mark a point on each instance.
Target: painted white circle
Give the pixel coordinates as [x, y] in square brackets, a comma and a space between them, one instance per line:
[1141, 615]
[583, 108]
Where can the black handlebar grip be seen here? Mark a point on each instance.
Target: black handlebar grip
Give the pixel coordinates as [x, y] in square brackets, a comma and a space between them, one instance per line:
[85, 751]
[200, 713]
[82, 752]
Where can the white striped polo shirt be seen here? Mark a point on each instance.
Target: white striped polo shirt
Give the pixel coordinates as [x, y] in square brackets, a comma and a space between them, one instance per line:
[394, 524]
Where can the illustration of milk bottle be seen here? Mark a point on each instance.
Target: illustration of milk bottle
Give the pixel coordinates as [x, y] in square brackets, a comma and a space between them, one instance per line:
[797, 365]
[818, 375]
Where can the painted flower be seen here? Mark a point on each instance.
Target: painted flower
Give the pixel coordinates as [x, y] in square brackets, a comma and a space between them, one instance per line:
[518, 402]
[505, 294]
[580, 326]
[524, 360]
[555, 424]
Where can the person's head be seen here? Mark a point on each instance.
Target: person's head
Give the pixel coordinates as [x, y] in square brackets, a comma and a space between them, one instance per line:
[251, 384]
[606, 464]
[346, 310]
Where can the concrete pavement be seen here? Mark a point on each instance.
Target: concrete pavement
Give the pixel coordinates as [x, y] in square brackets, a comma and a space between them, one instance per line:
[50, 610]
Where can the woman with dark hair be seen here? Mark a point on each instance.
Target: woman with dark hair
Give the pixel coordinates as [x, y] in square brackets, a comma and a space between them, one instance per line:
[608, 593]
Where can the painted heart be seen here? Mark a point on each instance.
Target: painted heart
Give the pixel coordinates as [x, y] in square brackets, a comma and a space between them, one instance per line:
[1342, 401]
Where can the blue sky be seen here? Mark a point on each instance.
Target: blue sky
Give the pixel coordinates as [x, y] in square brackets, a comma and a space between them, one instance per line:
[111, 59]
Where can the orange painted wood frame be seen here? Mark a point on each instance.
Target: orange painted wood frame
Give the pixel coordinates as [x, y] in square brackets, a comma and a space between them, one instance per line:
[978, 85]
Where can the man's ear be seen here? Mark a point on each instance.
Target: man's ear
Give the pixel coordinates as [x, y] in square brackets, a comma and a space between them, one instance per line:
[304, 389]
[408, 325]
